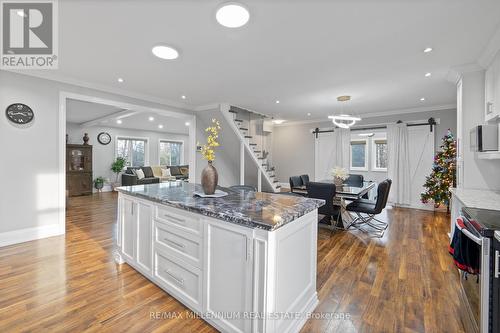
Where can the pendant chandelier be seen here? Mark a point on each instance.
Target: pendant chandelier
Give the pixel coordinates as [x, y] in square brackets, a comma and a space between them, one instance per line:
[344, 120]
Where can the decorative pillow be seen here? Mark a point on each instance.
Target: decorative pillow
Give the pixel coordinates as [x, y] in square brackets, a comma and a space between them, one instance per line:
[165, 172]
[139, 173]
[184, 171]
[148, 172]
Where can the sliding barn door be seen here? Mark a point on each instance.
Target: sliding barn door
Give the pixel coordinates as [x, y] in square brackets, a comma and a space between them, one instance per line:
[323, 156]
[421, 151]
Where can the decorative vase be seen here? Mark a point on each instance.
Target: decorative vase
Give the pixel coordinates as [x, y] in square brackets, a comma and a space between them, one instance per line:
[338, 181]
[209, 179]
[86, 139]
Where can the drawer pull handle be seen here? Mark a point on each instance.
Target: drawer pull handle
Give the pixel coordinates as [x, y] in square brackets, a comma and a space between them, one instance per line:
[174, 219]
[182, 246]
[177, 279]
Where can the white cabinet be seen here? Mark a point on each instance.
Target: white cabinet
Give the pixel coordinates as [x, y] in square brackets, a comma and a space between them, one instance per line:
[229, 274]
[492, 90]
[135, 219]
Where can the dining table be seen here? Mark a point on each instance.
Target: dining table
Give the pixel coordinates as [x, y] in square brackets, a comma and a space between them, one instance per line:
[346, 193]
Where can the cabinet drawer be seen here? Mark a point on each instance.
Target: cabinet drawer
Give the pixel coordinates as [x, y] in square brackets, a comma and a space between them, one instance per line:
[178, 243]
[181, 219]
[179, 279]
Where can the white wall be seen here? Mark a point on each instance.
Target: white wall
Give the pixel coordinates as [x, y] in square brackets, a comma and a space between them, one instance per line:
[30, 204]
[477, 174]
[104, 155]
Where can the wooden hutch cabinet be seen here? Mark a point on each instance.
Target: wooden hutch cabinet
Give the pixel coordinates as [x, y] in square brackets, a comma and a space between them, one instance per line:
[78, 169]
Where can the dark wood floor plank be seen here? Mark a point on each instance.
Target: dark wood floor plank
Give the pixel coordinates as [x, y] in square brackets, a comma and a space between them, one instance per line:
[404, 282]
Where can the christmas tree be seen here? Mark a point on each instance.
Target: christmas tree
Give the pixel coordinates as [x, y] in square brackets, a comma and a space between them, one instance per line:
[442, 177]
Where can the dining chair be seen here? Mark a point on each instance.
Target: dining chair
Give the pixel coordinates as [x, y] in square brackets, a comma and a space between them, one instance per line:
[296, 185]
[305, 179]
[325, 192]
[366, 210]
[354, 180]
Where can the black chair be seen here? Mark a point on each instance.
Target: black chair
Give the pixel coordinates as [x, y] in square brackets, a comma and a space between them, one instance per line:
[325, 192]
[297, 186]
[305, 180]
[366, 210]
[354, 180]
[247, 188]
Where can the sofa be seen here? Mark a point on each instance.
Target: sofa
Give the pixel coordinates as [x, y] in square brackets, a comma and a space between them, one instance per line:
[154, 174]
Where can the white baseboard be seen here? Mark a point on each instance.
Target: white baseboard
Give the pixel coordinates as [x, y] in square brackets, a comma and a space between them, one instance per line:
[106, 188]
[29, 234]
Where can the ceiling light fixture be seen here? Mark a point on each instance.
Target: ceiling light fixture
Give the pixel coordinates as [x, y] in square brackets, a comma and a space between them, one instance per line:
[119, 121]
[309, 114]
[232, 15]
[344, 120]
[165, 52]
[428, 74]
[428, 49]
[120, 80]
[160, 126]
[151, 118]
[187, 123]
[277, 102]
[278, 121]
[183, 97]
[422, 99]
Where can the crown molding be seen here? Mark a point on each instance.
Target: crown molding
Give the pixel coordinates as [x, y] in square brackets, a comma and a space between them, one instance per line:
[445, 107]
[456, 72]
[103, 88]
[207, 107]
[490, 50]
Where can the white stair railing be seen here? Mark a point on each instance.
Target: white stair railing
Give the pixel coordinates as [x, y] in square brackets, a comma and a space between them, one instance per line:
[240, 121]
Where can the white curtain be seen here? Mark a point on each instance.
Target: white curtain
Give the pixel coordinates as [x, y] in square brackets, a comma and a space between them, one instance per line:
[341, 148]
[332, 149]
[398, 166]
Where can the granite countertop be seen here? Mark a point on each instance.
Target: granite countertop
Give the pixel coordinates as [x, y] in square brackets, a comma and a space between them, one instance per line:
[482, 199]
[252, 209]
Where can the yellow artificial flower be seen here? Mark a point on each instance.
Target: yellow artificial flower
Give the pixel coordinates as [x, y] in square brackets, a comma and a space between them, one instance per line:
[207, 151]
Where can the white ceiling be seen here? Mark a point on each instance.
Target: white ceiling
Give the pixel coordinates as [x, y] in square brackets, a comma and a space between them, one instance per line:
[80, 112]
[304, 53]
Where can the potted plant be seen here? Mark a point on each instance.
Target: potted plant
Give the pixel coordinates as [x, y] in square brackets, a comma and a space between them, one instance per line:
[99, 183]
[209, 176]
[117, 167]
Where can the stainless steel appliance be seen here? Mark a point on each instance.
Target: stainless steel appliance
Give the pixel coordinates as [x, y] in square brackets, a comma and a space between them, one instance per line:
[482, 293]
[484, 138]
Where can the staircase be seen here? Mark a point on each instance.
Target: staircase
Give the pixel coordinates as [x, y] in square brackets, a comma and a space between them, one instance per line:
[249, 127]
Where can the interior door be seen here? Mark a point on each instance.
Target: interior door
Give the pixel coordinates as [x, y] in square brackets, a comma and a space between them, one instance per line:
[421, 151]
[323, 156]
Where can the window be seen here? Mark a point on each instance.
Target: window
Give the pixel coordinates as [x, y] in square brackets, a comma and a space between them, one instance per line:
[379, 154]
[171, 152]
[133, 150]
[359, 155]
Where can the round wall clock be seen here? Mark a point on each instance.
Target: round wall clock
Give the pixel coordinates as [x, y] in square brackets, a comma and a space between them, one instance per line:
[104, 138]
[19, 113]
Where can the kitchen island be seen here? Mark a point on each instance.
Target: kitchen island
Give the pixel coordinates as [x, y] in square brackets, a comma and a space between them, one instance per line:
[244, 263]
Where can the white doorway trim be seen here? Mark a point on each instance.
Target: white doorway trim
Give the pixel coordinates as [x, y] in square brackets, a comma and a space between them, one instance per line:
[63, 98]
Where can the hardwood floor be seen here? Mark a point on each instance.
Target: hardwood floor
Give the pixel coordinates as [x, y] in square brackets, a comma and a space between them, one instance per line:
[404, 282]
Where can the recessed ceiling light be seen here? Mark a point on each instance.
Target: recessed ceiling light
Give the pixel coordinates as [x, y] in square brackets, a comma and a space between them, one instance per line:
[183, 97]
[277, 102]
[165, 52]
[428, 74]
[151, 118]
[428, 49]
[119, 121]
[160, 126]
[120, 80]
[232, 15]
[309, 113]
[422, 99]
[187, 123]
[278, 121]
